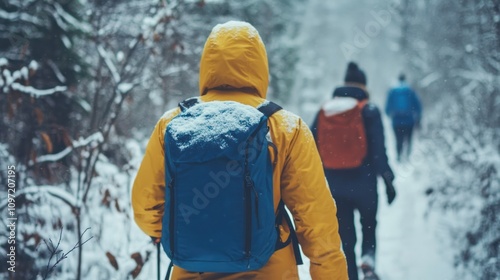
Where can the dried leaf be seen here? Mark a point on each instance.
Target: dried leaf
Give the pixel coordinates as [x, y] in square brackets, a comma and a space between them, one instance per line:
[35, 236]
[137, 257]
[24, 50]
[47, 141]
[106, 199]
[112, 260]
[10, 110]
[75, 211]
[66, 138]
[57, 224]
[117, 206]
[38, 116]
[136, 271]
[33, 156]
[156, 37]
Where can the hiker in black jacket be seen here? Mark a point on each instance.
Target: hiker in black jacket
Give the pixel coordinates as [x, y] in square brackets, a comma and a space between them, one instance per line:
[356, 188]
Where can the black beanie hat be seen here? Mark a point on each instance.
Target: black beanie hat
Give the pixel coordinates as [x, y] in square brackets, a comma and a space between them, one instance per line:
[402, 77]
[354, 74]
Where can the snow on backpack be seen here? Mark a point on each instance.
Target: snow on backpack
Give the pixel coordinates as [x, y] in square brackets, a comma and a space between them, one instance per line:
[219, 211]
[341, 136]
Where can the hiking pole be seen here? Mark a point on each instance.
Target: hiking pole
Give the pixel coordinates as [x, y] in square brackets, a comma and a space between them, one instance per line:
[158, 259]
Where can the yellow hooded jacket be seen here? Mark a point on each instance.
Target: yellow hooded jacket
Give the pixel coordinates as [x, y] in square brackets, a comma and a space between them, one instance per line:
[234, 67]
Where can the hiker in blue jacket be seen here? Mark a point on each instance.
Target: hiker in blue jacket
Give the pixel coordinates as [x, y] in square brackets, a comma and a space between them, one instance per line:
[405, 110]
[356, 188]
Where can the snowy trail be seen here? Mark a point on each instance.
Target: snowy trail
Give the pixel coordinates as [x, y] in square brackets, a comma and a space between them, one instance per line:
[410, 244]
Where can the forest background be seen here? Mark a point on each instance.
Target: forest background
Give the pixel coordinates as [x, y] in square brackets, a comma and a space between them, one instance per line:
[83, 83]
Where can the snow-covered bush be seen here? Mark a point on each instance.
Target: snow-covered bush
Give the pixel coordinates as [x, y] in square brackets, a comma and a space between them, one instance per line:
[82, 85]
[458, 65]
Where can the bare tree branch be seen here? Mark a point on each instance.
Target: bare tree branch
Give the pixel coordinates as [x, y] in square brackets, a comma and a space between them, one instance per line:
[58, 254]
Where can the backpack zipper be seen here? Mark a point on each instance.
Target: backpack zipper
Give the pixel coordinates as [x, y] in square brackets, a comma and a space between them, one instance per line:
[171, 221]
[248, 186]
[248, 214]
[248, 205]
[252, 186]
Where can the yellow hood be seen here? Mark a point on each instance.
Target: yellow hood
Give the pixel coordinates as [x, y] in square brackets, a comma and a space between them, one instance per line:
[234, 56]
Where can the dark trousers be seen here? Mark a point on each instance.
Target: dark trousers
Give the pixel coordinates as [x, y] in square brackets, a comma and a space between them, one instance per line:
[367, 207]
[403, 139]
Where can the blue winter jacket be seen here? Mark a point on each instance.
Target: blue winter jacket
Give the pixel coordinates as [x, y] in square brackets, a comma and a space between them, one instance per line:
[361, 181]
[403, 106]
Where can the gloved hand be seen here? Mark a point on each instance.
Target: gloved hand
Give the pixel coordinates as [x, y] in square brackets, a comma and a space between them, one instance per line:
[390, 191]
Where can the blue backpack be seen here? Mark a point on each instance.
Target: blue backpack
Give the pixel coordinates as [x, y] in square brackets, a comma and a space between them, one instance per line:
[219, 212]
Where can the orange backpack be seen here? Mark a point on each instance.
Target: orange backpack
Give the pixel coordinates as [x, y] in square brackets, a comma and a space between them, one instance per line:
[341, 138]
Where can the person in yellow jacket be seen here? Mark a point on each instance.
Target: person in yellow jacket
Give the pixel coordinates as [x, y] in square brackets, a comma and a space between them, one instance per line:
[234, 67]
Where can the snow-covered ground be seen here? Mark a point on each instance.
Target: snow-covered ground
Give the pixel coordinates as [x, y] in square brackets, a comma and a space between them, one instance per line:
[412, 243]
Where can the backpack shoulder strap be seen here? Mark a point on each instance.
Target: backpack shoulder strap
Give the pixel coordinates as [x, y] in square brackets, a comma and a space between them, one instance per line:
[188, 103]
[268, 108]
[292, 238]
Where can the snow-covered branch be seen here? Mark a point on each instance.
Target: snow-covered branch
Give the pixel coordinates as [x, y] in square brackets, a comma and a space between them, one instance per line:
[10, 80]
[174, 70]
[63, 15]
[124, 88]
[96, 137]
[429, 79]
[111, 66]
[476, 75]
[54, 191]
[22, 16]
[57, 71]
[37, 92]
